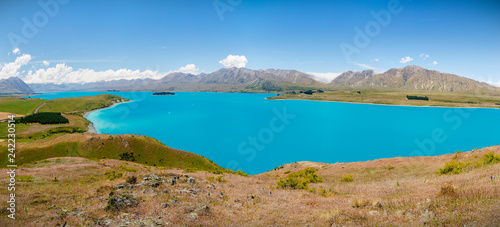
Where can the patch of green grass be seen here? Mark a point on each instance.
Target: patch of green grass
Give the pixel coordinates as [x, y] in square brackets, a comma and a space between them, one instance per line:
[216, 179]
[79, 104]
[24, 178]
[20, 105]
[347, 178]
[126, 168]
[112, 175]
[299, 179]
[145, 149]
[19, 129]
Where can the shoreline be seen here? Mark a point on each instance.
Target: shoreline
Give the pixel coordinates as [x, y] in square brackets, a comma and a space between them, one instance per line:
[479, 107]
[91, 128]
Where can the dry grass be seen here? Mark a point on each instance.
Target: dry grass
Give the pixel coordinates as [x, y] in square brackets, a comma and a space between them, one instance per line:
[423, 196]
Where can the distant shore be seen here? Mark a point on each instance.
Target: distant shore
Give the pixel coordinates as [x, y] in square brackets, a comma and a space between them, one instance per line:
[91, 128]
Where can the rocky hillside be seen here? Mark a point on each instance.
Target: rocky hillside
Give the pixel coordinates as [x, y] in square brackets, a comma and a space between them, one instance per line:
[14, 85]
[411, 78]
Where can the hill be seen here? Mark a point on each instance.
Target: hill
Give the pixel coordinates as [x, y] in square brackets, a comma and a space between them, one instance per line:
[409, 191]
[14, 85]
[411, 78]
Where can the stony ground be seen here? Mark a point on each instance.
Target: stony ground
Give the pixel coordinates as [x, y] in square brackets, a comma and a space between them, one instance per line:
[386, 192]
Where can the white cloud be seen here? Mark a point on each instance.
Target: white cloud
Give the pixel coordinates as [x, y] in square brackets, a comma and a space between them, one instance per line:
[324, 77]
[434, 62]
[46, 63]
[424, 56]
[497, 84]
[365, 66]
[16, 51]
[234, 61]
[406, 59]
[376, 59]
[62, 73]
[11, 69]
[189, 68]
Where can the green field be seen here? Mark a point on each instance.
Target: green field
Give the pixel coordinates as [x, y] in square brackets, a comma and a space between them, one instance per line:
[19, 105]
[80, 104]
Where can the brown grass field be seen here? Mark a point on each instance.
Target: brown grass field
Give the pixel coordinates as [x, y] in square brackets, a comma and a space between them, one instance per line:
[385, 192]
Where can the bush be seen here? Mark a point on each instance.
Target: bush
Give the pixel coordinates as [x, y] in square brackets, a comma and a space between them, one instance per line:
[216, 179]
[346, 178]
[241, 173]
[390, 167]
[131, 180]
[44, 118]
[452, 167]
[126, 168]
[490, 158]
[127, 156]
[112, 175]
[300, 179]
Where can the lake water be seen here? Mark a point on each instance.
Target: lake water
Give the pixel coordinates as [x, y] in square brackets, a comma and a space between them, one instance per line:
[248, 132]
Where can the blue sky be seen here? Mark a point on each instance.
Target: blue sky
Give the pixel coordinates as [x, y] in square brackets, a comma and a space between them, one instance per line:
[460, 37]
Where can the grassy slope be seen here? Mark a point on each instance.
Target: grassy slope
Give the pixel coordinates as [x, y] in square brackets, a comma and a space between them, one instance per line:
[79, 104]
[19, 105]
[74, 107]
[146, 151]
[407, 193]
[399, 98]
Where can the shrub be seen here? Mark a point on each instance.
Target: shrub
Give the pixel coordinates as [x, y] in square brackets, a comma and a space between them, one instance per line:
[300, 179]
[452, 167]
[390, 167]
[126, 168]
[127, 156]
[131, 179]
[216, 179]
[490, 157]
[241, 173]
[346, 178]
[112, 175]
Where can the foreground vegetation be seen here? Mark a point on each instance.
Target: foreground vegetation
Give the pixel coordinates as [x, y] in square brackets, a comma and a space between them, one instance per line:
[449, 99]
[385, 192]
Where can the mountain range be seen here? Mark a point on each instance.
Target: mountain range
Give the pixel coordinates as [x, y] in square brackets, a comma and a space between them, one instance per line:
[409, 78]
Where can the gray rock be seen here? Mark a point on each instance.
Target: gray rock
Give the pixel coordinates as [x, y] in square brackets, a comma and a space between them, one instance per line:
[165, 205]
[154, 184]
[191, 180]
[123, 186]
[427, 217]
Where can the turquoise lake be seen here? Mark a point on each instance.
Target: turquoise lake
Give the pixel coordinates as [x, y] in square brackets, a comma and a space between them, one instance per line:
[250, 133]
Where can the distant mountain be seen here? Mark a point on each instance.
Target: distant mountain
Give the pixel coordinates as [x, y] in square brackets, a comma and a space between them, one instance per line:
[410, 78]
[14, 85]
